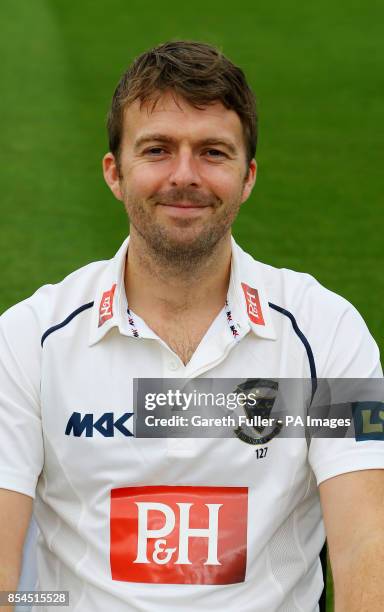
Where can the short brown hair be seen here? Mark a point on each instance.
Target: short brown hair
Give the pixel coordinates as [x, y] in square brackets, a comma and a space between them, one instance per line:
[196, 71]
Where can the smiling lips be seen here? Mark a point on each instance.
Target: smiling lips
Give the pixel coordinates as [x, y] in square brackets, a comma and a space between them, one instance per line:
[179, 198]
[184, 209]
[185, 205]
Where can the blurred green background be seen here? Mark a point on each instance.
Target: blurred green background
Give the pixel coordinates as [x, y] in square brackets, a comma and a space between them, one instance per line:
[317, 69]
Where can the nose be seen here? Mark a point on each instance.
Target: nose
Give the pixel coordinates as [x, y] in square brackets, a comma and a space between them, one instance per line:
[185, 171]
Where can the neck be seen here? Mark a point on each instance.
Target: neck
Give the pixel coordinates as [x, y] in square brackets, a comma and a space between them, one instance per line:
[172, 287]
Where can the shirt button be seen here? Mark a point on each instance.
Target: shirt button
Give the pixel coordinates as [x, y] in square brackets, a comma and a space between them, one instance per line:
[173, 365]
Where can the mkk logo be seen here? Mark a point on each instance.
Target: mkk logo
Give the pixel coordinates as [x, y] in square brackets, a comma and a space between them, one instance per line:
[179, 534]
[253, 304]
[105, 425]
[106, 306]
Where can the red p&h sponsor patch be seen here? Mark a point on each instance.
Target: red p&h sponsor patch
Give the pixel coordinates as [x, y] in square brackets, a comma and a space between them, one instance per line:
[253, 304]
[106, 306]
[179, 534]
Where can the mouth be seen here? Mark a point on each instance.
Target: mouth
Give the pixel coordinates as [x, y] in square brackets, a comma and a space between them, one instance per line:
[192, 205]
[184, 210]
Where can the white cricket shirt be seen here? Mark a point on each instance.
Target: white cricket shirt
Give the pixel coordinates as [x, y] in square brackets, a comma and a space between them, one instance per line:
[167, 524]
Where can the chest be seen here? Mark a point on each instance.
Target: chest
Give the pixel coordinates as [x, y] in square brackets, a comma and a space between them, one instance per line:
[88, 394]
[88, 443]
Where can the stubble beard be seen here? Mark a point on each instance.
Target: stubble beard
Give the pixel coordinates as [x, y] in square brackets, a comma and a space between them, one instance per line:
[168, 247]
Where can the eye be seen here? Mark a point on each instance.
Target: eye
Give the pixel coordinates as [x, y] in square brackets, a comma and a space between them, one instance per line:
[215, 153]
[154, 151]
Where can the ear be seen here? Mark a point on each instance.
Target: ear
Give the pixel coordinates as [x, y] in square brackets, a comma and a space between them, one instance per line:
[250, 180]
[111, 175]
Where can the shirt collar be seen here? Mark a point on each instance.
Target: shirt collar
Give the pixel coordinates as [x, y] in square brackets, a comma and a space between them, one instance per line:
[247, 295]
[110, 305]
[247, 301]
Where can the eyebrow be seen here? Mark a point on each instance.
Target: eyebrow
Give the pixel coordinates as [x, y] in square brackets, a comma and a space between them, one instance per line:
[163, 138]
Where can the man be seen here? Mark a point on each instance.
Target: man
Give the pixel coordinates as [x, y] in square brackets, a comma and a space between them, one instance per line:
[131, 523]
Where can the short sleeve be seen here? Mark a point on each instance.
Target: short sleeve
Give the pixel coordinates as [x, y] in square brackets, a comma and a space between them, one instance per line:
[21, 440]
[352, 354]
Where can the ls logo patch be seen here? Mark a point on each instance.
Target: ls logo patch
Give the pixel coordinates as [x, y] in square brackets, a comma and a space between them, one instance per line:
[179, 534]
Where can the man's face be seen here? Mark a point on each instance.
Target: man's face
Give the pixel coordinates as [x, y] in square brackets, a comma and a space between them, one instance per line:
[183, 175]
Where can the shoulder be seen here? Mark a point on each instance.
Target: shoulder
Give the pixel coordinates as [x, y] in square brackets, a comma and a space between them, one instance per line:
[303, 295]
[52, 303]
[340, 340]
